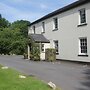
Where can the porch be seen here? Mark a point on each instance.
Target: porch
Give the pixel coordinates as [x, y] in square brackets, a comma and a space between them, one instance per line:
[43, 43]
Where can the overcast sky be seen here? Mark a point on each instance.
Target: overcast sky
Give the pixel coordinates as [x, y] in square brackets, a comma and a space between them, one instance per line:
[30, 10]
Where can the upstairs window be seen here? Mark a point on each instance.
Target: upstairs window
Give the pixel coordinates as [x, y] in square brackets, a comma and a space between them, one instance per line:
[82, 13]
[43, 27]
[83, 46]
[34, 29]
[55, 20]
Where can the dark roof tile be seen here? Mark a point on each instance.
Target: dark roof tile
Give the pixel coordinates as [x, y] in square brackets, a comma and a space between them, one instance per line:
[39, 38]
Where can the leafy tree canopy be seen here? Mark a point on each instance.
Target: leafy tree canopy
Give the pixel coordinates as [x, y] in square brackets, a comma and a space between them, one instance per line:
[13, 37]
[3, 22]
[22, 25]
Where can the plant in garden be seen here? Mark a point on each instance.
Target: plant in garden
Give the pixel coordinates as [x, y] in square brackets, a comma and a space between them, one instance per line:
[35, 51]
[50, 54]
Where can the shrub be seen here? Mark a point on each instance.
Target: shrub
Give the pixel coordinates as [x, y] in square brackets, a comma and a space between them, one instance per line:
[50, 54]
[25, 56]
[35, 52]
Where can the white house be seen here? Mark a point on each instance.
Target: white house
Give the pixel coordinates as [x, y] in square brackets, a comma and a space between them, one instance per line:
[68, 30]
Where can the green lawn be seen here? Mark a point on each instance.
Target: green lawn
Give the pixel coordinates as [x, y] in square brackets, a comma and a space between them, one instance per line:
[9, 80]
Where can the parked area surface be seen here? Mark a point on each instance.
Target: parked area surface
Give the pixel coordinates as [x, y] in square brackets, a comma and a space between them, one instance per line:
[68, 76]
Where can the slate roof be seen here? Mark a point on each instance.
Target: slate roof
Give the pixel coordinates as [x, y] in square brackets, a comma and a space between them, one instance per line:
[68, 7]
[39, 38]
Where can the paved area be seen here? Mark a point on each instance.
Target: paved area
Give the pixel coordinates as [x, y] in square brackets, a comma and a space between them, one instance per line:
[68, 76]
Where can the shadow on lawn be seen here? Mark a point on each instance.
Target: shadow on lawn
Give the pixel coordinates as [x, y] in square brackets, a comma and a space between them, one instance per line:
[86, 82]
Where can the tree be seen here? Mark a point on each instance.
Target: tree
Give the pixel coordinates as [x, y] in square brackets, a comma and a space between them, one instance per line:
[22, 25]
[13, 37]
[19, 43]
[0, 16]
[3, 23]
[5, 41]
[12, 42]
[20, 39]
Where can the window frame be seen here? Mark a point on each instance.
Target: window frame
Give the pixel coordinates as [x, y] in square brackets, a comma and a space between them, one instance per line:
[82, 16]
[55, 24]
[56, 47]
[42, 47]
[82, 45]
[34, 29]
[43, 27]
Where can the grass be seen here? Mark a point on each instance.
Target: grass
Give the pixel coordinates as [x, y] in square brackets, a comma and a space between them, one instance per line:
[9, 80]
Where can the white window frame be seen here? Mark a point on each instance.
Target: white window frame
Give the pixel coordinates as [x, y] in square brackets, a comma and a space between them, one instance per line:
[55, 23]
[80, 53]
[34, 29]
[43, 27]
[56, 47]
[42, 47]
[80, 23]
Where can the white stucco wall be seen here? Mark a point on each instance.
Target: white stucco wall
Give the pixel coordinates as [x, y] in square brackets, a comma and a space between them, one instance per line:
[42, 55]
[68, 33]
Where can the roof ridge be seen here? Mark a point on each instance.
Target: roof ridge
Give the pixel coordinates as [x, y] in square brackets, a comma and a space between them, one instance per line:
[63, 9]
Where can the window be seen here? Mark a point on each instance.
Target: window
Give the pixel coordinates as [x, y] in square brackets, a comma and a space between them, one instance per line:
[82, 16]
[42, 47]
[55, 23]
[43, 27]
[83, 46]
[56, 46]
[34, 29]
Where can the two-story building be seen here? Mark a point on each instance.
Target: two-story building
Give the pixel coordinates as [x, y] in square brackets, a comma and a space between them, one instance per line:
[67, 30]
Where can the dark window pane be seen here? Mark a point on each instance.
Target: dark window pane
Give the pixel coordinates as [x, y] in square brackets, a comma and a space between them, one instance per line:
[56, 46]
[56, 22]
[82, 16]
[83, 45]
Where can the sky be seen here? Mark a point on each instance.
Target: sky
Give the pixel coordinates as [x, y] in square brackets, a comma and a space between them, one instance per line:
[30, 10]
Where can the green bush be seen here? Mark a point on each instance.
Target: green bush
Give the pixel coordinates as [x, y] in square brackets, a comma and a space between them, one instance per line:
[35, 52]
[50, 54]
[25, 56]
[18, 47]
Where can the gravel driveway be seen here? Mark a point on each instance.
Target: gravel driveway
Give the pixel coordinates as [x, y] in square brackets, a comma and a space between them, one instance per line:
[66, 75]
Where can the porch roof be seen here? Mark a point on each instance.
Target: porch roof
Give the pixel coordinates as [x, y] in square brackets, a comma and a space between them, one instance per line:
[39, 38]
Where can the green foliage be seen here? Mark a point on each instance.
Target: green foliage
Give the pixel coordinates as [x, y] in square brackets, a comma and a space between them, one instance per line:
[4, 46]
[5, 41]
[13, 37]
[22, 25]
[35, 52]
[18, 47]
[12, 42]
[25, 56]
[50, 54]
[3, 22]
